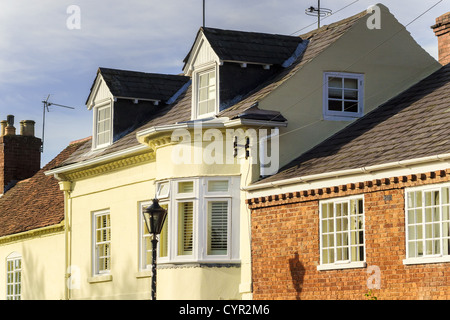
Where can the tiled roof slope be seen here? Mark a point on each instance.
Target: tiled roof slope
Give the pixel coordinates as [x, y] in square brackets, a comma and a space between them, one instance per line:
[253, 47]
[180, 110]
[35, 202]
[414, 124]
[142, 85]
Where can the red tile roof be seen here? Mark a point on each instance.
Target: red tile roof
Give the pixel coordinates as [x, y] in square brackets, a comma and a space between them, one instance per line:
[35, 202]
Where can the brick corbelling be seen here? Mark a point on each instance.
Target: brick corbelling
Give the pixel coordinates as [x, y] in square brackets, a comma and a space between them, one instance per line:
[395, 182]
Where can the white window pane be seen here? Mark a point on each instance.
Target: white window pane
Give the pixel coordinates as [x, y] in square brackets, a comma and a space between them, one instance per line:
[185, 228]
[217, 227]
[218, 185]
[186, 187]
[335, 93]
[203, 107]
[335, 82]
[350, 83]
[163, 237]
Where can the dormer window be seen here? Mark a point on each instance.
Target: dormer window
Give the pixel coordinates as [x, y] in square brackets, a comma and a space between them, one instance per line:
[103, 126]
[206, 93]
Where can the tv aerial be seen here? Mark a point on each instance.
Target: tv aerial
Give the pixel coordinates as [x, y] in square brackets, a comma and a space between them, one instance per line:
[318, 12]
[47, 104]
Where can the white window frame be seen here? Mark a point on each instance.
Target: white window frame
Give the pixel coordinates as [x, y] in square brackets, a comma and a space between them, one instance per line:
[103, 105]
[343, 264]
[411, 226]
[200, 197]
[195, 94]
[343, 115]
[16, 284]
[146, 252]
[96, 271]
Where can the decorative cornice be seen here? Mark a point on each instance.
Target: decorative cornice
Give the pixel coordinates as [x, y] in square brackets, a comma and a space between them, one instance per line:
[110, 166]
[32, 233]
[396, 182]
[160, 142]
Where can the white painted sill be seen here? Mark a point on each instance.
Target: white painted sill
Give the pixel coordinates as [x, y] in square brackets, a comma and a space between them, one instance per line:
[144, 274]
[426, 260]
[338, 266]
[100, 278]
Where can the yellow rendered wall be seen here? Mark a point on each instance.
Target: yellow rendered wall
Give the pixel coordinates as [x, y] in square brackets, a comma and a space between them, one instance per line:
[42, 266]
[121, 191]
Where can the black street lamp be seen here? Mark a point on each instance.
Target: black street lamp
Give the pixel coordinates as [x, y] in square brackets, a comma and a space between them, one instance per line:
[154, 217]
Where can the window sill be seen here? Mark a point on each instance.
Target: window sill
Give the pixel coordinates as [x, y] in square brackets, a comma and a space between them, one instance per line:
[426, 260]
[197, 264]
[100, 278]
[338, 266]
[346, 117]
[144, 274]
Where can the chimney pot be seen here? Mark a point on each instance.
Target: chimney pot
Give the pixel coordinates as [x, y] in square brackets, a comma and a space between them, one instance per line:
[27, 128]
[3, 124]
[10, 130]
[442, 31]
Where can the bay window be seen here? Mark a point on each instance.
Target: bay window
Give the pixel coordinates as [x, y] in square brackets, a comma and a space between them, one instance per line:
[202, 224]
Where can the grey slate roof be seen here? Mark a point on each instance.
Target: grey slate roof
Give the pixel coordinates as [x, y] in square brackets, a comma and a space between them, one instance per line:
[254, 47]
[180, 110]
[142, 85]
[414, 124]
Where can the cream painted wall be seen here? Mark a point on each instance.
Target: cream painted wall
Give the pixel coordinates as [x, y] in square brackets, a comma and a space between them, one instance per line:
[390, 60]
[121, 191]
[43, 267]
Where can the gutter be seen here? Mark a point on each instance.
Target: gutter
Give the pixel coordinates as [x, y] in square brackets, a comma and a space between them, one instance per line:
[337, 174]
[208, 123]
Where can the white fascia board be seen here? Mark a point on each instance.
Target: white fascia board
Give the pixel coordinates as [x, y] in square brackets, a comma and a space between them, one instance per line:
[91, 101]
[258, 123]
[96, 161]
[147, 133]
[201, 39]
[137, 99]
[335, 178]
[208, 124]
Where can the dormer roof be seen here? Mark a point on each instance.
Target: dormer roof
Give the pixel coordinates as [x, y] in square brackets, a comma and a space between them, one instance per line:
[247, 47]
[140, 85]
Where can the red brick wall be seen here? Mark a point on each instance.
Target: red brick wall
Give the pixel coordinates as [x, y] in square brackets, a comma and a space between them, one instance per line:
[20, 158]
[442, 31]
[285, 246]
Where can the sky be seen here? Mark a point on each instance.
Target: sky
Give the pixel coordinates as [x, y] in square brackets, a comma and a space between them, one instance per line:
[54, 47]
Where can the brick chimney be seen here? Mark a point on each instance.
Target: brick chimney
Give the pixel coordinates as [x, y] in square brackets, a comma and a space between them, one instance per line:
[442, 31]
[20, 155]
